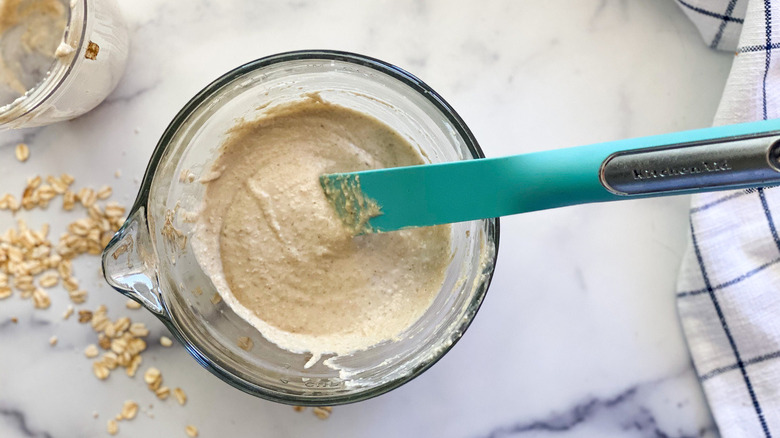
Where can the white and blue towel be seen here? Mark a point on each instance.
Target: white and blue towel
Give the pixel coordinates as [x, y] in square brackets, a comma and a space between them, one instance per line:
[729, 285]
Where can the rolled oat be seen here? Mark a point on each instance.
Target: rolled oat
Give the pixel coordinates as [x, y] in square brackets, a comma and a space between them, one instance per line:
[22, 152]
[91, 351]
[112, 427]
[129, 410]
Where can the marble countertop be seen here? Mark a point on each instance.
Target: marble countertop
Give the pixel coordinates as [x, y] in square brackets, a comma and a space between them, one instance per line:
[579, 333]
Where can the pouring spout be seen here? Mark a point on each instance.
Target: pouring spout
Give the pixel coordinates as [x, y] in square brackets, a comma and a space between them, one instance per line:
[130, 265]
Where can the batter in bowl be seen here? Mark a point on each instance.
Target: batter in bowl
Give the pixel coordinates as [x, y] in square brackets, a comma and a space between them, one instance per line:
[279, 255]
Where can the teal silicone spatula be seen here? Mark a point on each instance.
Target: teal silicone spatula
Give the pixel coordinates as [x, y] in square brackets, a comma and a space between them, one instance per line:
[725, 157]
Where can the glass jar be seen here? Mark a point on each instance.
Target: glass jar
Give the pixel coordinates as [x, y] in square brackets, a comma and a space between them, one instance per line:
[77, 81]
[150, 258]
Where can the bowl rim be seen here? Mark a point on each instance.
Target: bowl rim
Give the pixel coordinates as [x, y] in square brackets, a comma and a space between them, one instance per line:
[169, 318]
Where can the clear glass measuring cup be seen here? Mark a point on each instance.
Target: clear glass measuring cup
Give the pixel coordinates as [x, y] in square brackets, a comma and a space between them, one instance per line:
[150, 259]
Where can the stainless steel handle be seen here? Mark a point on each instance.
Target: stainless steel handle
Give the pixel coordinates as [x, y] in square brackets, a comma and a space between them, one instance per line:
[736, 162]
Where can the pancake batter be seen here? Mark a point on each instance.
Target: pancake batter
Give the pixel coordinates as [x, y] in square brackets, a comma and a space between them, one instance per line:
[279, 255]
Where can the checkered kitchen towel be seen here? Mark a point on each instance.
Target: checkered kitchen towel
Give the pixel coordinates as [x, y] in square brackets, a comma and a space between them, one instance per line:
[729, 285]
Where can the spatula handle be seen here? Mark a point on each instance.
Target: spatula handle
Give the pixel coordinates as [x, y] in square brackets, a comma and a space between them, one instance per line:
[731, 163]
[720, 158]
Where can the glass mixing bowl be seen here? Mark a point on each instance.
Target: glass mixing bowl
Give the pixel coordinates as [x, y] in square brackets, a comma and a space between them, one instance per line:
[150, 259]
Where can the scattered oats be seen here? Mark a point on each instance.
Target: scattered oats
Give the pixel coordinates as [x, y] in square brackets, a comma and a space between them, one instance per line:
[132, 304]
[80, 227]
[53, 261]
[121, 325]
[94, 414]
[155, 385]
[114, 210]
[165, 341]
[215, 299]
[322, 412]
[68, 200]
[87, 197]
[65, 269]
[45, 193]
[14, 319]
[104, 192]
[34, 182]
[245, 343]
[113, 427]
[110, 360]
[68, 312]
[138, 329]
[53, 341]
[100, 322]
[109, 330]
[91, 351]
[181, 397]
[191, 430]
[152, 375]
[122, 339]
[136, 345]
[104, 341]
[134, 364]
[299, 408]
[29, 200]
[100, 370]
[30, 262]
[13, 203]
[197, 291]
[118, 173]
[163, 392]
[48, 279]
[24, 283]
[85, 316]
[118, 346]
[22, 152]
[67, 178]
[129, 410]
[95, 213]
[8, 202]
[41, 299]
[70, 284]
[125, 358]
[78, 296]
[57, 184]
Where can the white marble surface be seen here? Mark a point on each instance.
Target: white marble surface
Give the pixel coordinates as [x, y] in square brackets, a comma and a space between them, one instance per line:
[578, 335]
